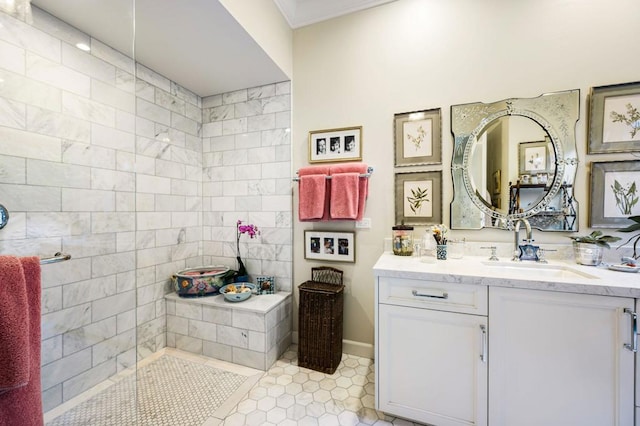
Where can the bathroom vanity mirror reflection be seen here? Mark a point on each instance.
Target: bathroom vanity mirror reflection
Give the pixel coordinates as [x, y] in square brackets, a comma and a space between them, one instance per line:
[515, 158]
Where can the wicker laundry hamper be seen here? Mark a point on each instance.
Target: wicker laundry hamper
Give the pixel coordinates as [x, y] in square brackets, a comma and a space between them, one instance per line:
[320, 320]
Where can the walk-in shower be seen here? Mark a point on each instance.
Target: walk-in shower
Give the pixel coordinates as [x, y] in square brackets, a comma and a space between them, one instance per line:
[133, 176]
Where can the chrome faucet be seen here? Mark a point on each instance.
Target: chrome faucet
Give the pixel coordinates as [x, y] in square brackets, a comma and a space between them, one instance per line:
[516, 237]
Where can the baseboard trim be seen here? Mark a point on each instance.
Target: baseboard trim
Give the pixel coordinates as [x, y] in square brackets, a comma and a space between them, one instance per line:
[350, 347]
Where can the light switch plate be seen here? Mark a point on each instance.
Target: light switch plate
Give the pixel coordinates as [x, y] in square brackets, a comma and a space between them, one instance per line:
[364, 223]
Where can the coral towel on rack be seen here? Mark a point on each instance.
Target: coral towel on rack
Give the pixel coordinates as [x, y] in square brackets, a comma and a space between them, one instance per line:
[349, 191]
[313, 193]
[14, 325]
[20, 405]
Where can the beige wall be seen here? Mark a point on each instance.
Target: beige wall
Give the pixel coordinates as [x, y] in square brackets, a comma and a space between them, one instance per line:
[415, 54]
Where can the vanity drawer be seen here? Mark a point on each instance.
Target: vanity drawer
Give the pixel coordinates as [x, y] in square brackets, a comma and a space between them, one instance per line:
[452, 297]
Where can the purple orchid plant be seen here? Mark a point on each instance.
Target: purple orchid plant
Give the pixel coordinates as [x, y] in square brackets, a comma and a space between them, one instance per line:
[252, 231]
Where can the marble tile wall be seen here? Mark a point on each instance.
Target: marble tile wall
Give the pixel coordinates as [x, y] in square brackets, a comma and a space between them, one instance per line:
[103, 158]
[247, 176]
[67, 176]
[254, 334]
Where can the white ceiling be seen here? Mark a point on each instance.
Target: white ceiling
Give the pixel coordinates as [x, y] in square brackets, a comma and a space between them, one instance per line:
[197, 44]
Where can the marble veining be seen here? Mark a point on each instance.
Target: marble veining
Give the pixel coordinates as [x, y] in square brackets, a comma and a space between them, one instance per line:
[12, 114]
[261, 122]
[118, 165]
[185, 124]
[234, 97]
[186, 95]
[262, 92]
[474, 270]
[276, 104]
[152, 77]
[248, 108]
[239, 125]
[88, 155]
[276, 137]
[218, 113]
[57, 125]
[86, 109]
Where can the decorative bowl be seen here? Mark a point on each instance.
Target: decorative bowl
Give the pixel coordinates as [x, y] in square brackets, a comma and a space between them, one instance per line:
[201, 281]
[239, 295]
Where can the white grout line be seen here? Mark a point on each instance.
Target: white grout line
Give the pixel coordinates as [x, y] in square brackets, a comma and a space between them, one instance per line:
[252, 375]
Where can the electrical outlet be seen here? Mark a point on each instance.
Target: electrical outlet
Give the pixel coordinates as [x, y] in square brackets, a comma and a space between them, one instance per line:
[364, 223]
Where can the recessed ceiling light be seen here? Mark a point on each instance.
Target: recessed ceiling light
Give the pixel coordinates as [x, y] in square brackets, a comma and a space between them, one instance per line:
[83, 46]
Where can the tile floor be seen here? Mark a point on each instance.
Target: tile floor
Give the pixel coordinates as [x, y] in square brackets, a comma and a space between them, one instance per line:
[292, 395]
[287, 394]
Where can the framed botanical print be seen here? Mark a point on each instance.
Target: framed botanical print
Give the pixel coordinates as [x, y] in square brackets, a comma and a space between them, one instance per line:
[614, 193]
[614, 118]
[418, 138]
[419, 198]
[535, 157]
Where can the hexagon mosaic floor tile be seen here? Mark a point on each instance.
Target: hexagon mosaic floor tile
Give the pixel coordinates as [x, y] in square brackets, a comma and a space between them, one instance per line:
[292, 395]
[284, 395]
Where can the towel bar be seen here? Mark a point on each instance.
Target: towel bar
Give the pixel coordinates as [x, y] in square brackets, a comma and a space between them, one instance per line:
[58, 257]
[364, 175]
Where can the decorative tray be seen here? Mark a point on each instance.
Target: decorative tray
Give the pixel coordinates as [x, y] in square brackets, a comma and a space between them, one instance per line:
[624, 268]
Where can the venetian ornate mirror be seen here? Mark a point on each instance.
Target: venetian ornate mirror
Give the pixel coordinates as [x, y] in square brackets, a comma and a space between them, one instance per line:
[515, 158]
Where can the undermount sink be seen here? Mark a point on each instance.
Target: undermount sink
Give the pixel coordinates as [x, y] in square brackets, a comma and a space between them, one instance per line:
[539, 270]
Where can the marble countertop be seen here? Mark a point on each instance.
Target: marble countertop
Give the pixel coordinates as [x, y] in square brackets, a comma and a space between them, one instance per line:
[554, 276]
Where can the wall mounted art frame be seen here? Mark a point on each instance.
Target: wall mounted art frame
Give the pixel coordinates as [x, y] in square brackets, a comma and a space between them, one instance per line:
[329, 245]
[614, 193]
[534, 157]
[614, 119]
[418, 138]
[333, 145]
[266, 285]
[419, 198]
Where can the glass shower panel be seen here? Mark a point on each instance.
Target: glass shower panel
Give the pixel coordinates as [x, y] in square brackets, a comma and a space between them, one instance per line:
[67, 179]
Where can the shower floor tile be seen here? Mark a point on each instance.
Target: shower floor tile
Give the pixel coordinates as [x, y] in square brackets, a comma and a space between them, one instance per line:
[171, 389]
[284, 395]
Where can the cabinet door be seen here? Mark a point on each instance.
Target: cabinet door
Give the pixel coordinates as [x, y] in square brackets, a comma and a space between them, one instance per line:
[637, 372]
[559, 359]
[429, 366]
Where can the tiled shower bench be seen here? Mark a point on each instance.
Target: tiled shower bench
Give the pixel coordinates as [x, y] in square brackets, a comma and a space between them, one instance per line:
[253, 333]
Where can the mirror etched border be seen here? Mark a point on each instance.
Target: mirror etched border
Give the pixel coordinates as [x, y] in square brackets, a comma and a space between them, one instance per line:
[557, 113]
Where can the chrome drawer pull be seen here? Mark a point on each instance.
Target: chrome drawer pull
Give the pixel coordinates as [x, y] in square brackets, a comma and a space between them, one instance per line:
[445, 295]
[633, 346]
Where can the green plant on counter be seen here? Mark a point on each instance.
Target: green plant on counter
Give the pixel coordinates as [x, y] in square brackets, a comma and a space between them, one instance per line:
[596, 238]
[635, 238]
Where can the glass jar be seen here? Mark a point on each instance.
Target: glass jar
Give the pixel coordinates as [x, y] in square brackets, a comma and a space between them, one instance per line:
[456, 248]
[402, 238]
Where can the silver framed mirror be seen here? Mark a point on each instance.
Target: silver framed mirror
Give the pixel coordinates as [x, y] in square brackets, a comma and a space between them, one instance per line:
[515, 158]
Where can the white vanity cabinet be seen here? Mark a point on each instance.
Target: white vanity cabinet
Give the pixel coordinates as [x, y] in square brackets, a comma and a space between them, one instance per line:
[431, 351]
[637, 371]
[559, 359]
